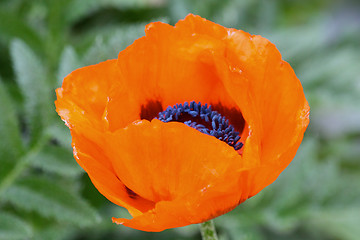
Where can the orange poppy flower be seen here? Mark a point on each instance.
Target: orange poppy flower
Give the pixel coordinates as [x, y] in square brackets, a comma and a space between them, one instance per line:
[144, 131]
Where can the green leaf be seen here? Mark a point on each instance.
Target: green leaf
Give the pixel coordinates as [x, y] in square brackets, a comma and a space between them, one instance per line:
[10, 146]
[69, 61]
[340, 223]
[31, 79]
[60, 133]
[329, 75]
[56, 232]
[288, 190]
[50, 199]
[12, 26]
[13, 228]
[56, 159]
[287, 40]
[79, 8]
[108, 42]
[57, 30]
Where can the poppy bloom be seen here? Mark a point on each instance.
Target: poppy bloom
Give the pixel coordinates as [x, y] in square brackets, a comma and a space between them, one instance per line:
[187, 123]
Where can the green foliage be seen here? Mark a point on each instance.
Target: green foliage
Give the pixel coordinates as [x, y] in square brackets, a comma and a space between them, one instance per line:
[343, 223]
[49, 199]
[13, 227]
[79, 9]
[69, 61]
[11, 147]
[57, 232]
[31, 79]
[9, 126]
[13, 27]
[58, 160]
[44, 194]
[108, 42]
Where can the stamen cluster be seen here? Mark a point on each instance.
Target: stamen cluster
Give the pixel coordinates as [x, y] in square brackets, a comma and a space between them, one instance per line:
[204, 119]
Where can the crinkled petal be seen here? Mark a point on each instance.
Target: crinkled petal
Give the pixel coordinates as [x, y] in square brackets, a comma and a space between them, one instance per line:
[84, 94]
[170, 66]
[92, 158]
[162, 161]
[273, 104]
[83, 100]
[173, 165]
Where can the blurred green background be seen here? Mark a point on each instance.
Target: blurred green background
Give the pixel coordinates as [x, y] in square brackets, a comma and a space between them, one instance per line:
[45, 195]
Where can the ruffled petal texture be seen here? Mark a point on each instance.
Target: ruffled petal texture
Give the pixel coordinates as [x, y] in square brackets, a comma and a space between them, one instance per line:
[185, 184]
[168, 174]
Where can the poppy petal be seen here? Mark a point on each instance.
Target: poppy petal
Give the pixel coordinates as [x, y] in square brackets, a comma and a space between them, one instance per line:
[181, 212]
[177, 174]
[94, 161]
[258, 80]
[172, 71]
[83, 100]
[273, 103]
[84, 93]
[276, 93]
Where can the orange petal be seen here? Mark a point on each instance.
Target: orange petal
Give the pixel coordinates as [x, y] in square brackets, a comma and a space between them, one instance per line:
[194, 24]
[156, 159]
[271, 99]
[274, 91]
[182, 211]
[263, 86]
[92, 159]
[177, 166]
[84, 94]
[83, 100]
[172, 66]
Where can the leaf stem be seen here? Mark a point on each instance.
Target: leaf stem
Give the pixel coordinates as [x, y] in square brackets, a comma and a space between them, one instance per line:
[208, 231]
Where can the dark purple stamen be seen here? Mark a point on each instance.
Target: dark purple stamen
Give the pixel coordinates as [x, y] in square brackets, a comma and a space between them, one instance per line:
[203, 119]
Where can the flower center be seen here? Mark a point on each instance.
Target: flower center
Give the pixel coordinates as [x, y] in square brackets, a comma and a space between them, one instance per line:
[204, 119]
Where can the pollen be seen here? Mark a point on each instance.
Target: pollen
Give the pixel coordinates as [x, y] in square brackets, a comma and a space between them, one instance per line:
[204, 119]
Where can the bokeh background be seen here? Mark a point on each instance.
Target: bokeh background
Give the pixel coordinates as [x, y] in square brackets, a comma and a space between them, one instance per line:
[45, 195]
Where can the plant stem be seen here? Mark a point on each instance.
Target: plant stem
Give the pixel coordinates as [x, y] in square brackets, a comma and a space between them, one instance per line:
[208, 231]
